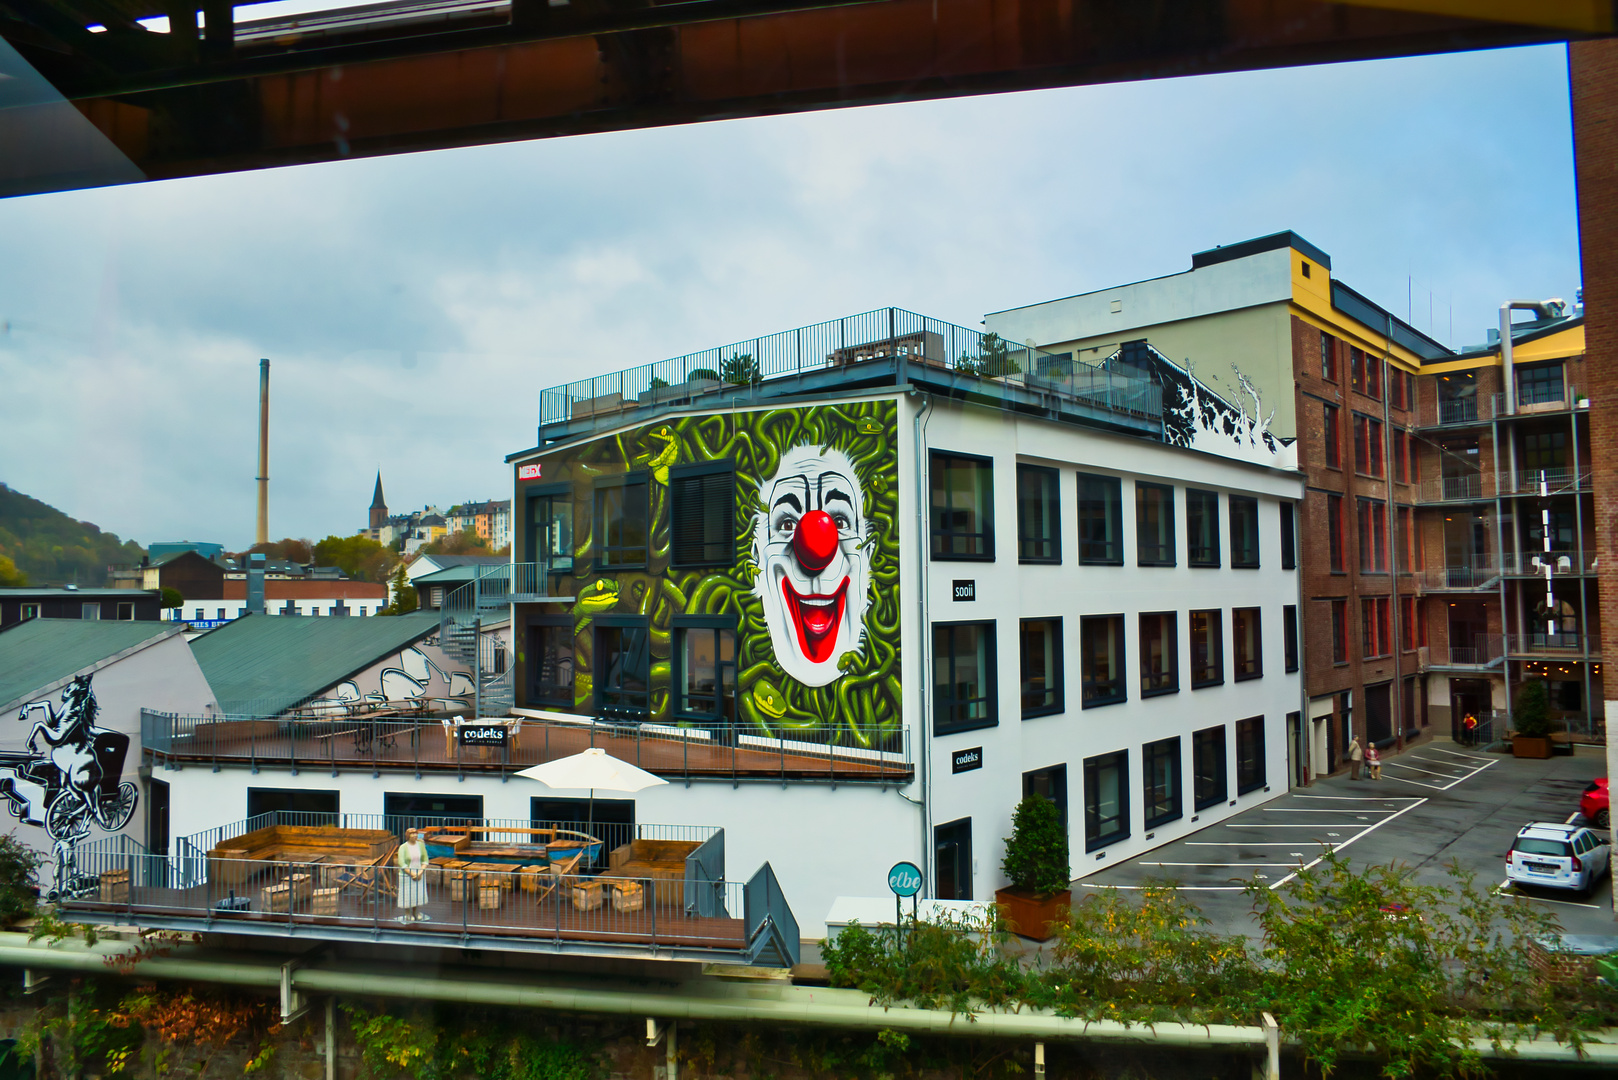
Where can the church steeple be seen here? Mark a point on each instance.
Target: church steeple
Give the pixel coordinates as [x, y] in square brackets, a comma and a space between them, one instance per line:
[379, 507]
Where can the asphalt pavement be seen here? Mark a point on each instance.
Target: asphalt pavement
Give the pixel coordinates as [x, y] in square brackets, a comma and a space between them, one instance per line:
[1436, 803]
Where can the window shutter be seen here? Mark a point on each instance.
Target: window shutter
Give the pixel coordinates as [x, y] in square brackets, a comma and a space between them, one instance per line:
[702, 519]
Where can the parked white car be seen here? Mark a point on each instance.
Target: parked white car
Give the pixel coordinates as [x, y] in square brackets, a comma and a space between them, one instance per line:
[1557, 856]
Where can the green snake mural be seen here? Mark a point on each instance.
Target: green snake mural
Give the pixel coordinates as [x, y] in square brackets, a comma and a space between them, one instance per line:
[814, 584]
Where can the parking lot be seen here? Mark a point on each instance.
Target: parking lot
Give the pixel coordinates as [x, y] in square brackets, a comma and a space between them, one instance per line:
[1435, 803]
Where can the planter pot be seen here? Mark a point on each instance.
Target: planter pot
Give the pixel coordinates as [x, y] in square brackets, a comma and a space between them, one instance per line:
[1530, 746]
[1030, 914]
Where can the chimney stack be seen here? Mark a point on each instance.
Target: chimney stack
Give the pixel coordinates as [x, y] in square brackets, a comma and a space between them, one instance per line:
[263, 533]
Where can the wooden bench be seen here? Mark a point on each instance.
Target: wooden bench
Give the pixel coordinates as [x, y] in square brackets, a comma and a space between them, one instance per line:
[661, 861]
[237, 862]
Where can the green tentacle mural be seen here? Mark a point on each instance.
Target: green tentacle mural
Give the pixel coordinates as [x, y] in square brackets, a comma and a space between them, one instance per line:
[813, 587]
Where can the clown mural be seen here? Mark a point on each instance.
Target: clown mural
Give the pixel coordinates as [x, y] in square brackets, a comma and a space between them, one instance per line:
[813, 580]
[810, 585]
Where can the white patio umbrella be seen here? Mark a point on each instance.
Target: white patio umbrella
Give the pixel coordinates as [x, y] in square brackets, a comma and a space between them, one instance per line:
[593, 768]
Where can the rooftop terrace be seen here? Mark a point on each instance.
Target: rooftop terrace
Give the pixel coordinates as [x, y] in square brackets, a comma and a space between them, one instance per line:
[887, 347]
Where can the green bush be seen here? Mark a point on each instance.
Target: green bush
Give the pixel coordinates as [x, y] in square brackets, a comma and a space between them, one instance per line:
[19, 880]
[703, 374]
[1036, 850]
[741, 369]
[1531, 711]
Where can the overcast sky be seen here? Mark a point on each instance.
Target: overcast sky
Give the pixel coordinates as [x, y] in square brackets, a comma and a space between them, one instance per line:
[413, 307]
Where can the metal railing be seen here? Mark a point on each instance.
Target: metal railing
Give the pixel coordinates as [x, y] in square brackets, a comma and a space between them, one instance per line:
[1486, 650]
[1557, 480]
[733, 371]
[1469, 572]
[686, 750]
[1487, 726]
[772, 930]
[1471, 486]
[1559, 642]
[1533, 563]
[514, 909]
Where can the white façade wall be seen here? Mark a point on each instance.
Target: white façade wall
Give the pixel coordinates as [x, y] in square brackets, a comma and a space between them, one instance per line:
[1008, 592]
[822, 842]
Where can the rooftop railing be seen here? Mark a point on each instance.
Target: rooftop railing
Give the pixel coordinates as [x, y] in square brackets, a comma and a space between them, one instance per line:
[736, 373]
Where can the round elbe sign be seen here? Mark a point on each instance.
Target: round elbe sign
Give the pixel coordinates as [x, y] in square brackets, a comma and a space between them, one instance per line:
[905, 879]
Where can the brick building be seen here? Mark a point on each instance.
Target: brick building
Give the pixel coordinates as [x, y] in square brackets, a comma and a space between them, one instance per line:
[1423, 584]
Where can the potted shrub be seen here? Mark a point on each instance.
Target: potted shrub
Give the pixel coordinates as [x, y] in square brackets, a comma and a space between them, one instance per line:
[1036, 864]
[1531, 722]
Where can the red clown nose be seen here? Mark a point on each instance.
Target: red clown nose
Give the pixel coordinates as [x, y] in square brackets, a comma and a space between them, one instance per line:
[815, 541]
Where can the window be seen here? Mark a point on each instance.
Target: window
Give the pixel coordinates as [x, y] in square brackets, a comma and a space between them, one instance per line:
[1407, 623]
[1159, 653]
[90, 612]
[1289, 636]
[1101, 520]
[1049, 783]
[1039, 515]
[1201, 527]
[702, 511]
[1410, 390]
[1247, 643]
[1207, 648]
[1409, 541]
[1372, 521]
[1332, 436]
[1244, 532]
[1334, 532]
[1539, 383]
[550, 527]
[1154, 524]
[1373, 376]
[1160, 781]
[621, 520]
[30, 611]
[199, 616]
[1356, 369]
[1328, 357]
[952, 856]
[1339, 631]
[363, 610]
[705, 668]
[1396, 387]
[1289, 543]
[1101, 659]
[1374, 628]
[1401, 459]
[962, 507]
[963, 677]
[1041, 648]
[1367, 445]
[1249, 754]
[1544, 450]
[1106, 799]
[622, 660]
[1208, 767]
[126, 612]
[221, 613]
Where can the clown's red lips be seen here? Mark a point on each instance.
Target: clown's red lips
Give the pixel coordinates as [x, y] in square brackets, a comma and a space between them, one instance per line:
[816, 617]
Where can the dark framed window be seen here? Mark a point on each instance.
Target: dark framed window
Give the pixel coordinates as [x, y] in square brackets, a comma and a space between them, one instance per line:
[1401, 458]
[550, 661]
[550, 527]
[1396, 388]
[1049, 783]
[1247, 643]
[952, 859]
[1376, 638]
[1208, 778]
[704, 669]
[962, 507]
[1249, 754]
[1328, 357]
[1372, 523]
[963, 677]
[1373, 376]
[1339, 631]
[1041, 649]
[1160, 781]
[1367, 445]
[1101, 659]
[1244, 532]
[1538, 383]
[1331, 434]
[1159, 653]
[1334, 532]
[1201, 527]
[1356, 369]
[1289, 636]
[1154, 524]
[1289, 538]
[620, 523]
[1101, 501]
[1207, 648]
[1544, 450]
[1039, 515]
[1106, 799]
[293, 800]
[702, 515]
[622, 666]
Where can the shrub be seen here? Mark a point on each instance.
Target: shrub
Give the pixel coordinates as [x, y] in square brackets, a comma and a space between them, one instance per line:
[1036, 850]
[19, 880]
[1531, 712]
[703, 374]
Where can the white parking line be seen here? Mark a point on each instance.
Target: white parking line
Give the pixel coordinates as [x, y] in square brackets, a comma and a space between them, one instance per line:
[1255, 843]
[1305, 810]
[1339, 847]
[1429, 772]
[1457, 753]
[1505, 888]
[1322, 825]
[1437, 787]
[1360, 798]
[1253, 864]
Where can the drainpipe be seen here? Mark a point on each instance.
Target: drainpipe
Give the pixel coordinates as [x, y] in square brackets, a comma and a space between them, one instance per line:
[923, 721]
[1545, 309]
[1390, 530]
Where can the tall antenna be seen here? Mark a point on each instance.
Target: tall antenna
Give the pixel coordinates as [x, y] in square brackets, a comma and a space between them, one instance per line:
[263, 534]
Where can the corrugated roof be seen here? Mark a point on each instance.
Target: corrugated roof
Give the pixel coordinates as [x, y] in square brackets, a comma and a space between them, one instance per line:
[40, 652]
[266, 664]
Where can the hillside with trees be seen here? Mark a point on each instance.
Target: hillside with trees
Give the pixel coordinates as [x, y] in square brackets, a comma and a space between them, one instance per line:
[47, 547]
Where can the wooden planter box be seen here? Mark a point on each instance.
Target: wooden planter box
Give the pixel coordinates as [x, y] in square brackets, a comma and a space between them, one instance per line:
[458, 883]
[628, 896]
[1530, 746]
[1030, 915]
[587, 895]
[490, 893]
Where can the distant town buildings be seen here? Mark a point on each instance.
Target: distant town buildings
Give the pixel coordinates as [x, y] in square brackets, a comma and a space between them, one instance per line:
[411, 532]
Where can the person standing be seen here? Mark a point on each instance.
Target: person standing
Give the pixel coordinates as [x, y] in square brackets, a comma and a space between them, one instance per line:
[1373, 760]
[412, 860]
[1355, 753]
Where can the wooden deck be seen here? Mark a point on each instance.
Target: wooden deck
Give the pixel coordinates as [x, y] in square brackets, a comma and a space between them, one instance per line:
[408, 744]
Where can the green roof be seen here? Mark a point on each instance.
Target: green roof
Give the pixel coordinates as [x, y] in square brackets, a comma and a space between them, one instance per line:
[42, 652]
[262, 665]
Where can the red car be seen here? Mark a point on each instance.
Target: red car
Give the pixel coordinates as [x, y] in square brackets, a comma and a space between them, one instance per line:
[1594, 805]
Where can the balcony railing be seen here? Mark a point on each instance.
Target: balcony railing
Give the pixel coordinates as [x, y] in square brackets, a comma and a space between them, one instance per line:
[1557, 480]
[408, 743]
[1467, 487]
[1540, 643]
[1561, 563]
[1486, 407]
[835, 349]
[1472, 572]
[1484, 650]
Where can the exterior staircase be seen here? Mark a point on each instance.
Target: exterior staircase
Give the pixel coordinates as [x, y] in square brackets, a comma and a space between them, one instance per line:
[487, 598]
